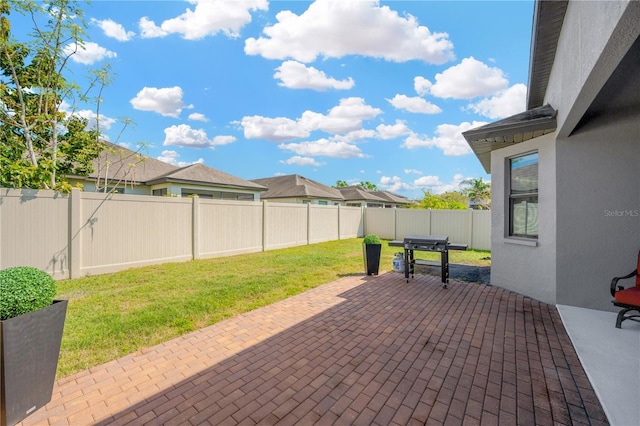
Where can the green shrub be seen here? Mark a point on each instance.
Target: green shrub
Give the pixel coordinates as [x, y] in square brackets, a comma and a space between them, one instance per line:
[371, 239]
[24, 289]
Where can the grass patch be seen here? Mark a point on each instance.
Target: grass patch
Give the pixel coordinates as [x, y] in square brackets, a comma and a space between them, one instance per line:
[112, 315]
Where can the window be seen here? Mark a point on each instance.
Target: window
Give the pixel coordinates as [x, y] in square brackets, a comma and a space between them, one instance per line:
[523, 196]
[322, 202]
[159, 192]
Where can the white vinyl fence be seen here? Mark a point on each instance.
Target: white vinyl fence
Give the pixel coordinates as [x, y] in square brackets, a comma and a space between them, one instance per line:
[86, 233]
[470, 227]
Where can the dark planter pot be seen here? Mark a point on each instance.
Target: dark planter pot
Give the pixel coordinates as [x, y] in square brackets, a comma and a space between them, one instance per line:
[29, 350]
[372, 258]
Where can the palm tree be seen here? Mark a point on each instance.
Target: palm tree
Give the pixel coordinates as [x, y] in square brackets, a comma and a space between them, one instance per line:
[478, 191]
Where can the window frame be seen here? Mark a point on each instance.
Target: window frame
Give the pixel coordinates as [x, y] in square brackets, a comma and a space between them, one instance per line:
[528, 198]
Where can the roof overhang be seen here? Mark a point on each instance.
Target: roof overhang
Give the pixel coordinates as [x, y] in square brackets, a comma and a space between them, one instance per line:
[210, 185]
[509, 131]
[548, 17]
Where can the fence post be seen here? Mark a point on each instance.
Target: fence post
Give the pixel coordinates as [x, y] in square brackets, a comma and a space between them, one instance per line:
[339, 232]
[364, 220]
[470, 229]
[309, 223]
[195, 227]
[75, 247]
[264, 225]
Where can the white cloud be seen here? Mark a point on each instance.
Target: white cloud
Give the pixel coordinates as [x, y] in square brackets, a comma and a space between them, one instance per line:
[184, 135]
[332, 123]
[296, 75]
[148, 29]
[302, 161]
[196, 116]
[435, 185]
[171, 157]
[113, 29]
[166, 101]
[223, 140]
[412, 171]
[504, 104]
[90, 116]
[393, 184]
[430, 183]
[207, 18]
[345, 118]
[421, 85]
[467, 80]
[448, 138]
[414, 104]
[92, 120]
[277, 129]
[324, 147]
[354, 108]
[355, 135]
[392, 131]
[333, 29]
[424, 181]
[87, 54]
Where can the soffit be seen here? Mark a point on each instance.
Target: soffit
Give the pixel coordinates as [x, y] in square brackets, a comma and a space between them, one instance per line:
[509, 131]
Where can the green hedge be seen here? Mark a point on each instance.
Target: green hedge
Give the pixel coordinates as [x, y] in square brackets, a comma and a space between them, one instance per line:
[371, 239]
[24, 289]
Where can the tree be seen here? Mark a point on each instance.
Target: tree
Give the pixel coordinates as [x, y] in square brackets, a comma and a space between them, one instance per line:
[43, 139]
[478, 191]
[368, 185]
[447, 201]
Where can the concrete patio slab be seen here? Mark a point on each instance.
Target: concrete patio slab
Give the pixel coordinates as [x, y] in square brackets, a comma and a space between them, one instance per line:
[611, 359]
[359, 350]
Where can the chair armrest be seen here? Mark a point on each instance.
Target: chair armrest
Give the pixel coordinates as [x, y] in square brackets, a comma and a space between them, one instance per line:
[615, 280]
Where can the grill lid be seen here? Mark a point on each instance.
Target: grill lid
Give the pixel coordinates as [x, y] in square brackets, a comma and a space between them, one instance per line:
[426, 239]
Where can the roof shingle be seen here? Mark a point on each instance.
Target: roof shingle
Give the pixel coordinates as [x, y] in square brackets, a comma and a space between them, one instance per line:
[294, 186]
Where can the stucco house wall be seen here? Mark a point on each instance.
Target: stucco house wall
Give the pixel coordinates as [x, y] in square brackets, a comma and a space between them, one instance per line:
[595, 36]
[90, 186]
[589, 168]
[525, 266]
[598, 209]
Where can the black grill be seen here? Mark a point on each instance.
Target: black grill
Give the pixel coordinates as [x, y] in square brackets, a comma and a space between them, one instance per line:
[434, 243]
[427, 242]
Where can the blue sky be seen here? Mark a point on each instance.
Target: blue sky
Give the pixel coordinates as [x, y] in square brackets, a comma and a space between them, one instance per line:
[376, 91]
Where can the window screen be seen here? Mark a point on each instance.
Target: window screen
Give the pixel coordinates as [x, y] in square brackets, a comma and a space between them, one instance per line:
[523, 196]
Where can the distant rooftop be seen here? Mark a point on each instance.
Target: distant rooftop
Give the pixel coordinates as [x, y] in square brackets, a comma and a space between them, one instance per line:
[117, 163]
[296, 186]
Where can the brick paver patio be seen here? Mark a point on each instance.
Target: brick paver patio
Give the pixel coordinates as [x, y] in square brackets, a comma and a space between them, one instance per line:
[360, 350]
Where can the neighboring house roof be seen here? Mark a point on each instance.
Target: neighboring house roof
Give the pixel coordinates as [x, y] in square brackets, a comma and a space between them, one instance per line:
[199, 173]
[117, 163]
[390, 196]
[296, 186]
[358, 193]
[508, 131]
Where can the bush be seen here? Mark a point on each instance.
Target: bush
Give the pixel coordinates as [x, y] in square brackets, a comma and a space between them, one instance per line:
[24, 289]
[371, 239]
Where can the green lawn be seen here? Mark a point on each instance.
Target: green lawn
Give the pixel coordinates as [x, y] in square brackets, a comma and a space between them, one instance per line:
[115, 314]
